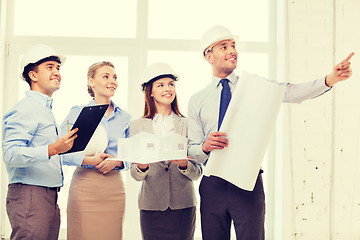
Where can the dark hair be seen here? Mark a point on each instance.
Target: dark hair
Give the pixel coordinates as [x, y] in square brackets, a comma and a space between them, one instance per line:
[150, 108]
[34, 67]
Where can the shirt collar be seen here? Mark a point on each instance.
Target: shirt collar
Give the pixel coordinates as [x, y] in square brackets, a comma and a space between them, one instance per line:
[44, 99]
[160, 116]
[231, 77]
[116, 107]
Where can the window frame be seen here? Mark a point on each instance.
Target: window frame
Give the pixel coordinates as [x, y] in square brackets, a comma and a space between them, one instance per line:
[136, 50]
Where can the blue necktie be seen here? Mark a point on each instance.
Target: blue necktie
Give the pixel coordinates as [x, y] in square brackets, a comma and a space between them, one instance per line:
[224, 100]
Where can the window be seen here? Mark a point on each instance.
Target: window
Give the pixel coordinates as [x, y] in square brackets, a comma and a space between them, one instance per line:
[80, 18]
[183, 19]
[132, 35]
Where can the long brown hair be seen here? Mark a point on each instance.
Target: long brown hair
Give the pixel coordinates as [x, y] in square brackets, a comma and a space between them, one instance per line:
[150, 108]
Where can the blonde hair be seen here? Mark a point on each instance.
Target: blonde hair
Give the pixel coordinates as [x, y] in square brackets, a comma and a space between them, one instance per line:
[91, 73]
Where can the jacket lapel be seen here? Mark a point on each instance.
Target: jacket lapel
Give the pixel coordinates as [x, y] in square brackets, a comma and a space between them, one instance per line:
[148, 125]
[178, 125]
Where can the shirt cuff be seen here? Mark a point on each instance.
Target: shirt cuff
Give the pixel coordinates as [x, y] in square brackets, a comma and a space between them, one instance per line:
[41, 153]
[184, 170]
[202, 157]
[73, 159]
[321, 83]
[141, 172]
[126, 166]
[78, 160]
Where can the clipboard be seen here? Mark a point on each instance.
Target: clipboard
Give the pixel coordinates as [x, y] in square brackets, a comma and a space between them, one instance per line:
[87, 122]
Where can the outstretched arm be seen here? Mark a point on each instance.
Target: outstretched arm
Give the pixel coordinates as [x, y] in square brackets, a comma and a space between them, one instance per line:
[341, 72]
[296, 93]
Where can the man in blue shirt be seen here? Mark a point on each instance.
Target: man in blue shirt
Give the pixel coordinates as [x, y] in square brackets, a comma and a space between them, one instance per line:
[31, 145]
[221, 201]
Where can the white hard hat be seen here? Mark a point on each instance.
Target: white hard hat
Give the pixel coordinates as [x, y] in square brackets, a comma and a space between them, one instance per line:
[36, 53]
[214, 35]
[98, 142]
[156, 70]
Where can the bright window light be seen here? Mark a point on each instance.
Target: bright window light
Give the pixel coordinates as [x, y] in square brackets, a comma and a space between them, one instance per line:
[254, 63]
[187, 19]
[79, 18]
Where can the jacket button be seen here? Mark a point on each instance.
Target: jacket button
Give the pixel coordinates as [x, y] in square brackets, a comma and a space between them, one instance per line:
[166, 169]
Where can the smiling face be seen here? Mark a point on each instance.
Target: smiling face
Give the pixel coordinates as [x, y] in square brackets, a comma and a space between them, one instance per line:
[104, 82]
[223, 58]
[46, 77]
[163, 92]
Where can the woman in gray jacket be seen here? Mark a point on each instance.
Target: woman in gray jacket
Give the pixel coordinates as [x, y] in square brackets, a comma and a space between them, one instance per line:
[167, 198]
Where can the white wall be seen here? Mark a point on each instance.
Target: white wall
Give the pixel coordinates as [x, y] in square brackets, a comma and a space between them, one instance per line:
[321, 171]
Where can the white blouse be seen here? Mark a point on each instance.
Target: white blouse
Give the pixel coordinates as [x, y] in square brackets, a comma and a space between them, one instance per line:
[163, 125]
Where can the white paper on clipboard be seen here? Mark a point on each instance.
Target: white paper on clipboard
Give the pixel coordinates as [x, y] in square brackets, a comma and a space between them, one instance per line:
[249, 123]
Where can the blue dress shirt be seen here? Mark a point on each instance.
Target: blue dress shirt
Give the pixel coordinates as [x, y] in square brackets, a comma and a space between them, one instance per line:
[116, 126]
[28, 128]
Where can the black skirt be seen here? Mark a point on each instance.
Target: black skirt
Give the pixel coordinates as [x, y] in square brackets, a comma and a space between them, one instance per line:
[168, 224]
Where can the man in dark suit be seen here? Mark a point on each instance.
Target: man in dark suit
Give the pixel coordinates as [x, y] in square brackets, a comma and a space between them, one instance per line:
[221, 201]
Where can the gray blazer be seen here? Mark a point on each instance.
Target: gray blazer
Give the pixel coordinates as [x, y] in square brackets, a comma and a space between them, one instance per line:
[165, 186]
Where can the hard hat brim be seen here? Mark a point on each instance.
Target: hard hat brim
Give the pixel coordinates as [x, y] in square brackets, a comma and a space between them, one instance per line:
[61, 58]
[206, 50]
[172, 76]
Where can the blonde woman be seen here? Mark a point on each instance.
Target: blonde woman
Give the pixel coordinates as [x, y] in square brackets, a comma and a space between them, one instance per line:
[167, 199]
[97, 196]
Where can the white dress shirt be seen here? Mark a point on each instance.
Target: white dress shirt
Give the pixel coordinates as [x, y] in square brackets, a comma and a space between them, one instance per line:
[203, 110]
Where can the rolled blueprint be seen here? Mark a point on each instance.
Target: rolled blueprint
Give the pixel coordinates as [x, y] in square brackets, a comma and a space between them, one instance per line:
[249, 123]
